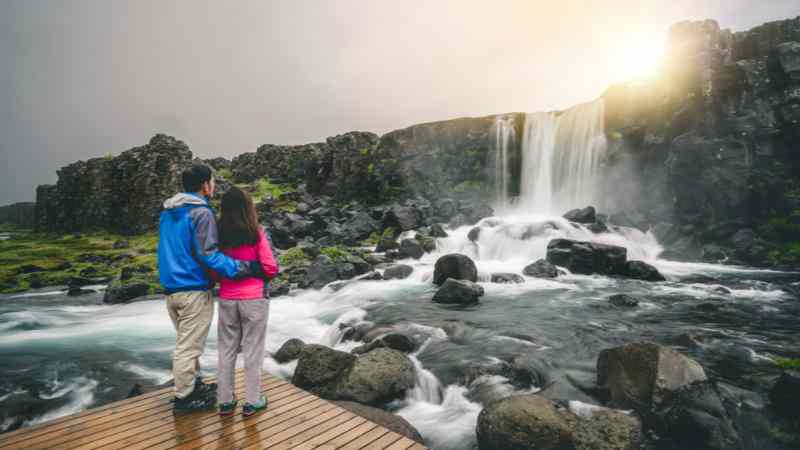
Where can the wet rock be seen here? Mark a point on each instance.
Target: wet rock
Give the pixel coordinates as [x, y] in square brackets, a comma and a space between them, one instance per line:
[623, 301]
[437, 231]
[598, 227]
[585, 215]
[321, 272]
[77, 291]
[713, 253]
[80, 282]
[789, 57]
[120, 244]
[30, 268]
[640, 270]
[670, 392]
[446, 208]
[279, 287]
[397, 272]
[386, 243]
[507, 278]
[402, 218]
[455, 266]
[383, 418]
[785, 393]
[541, 269]
[319, 369]
[586, 257]
[394, 341]
[88, 272]
[120, 292]
[532, 422]
[377, 377]
[290, 350]
[474, 234]
[411, 248]
[458, 292]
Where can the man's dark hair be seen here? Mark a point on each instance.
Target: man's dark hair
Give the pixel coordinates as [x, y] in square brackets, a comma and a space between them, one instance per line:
[194, 177]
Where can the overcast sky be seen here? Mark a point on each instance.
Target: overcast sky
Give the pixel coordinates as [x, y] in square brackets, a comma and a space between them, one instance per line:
[81, 79]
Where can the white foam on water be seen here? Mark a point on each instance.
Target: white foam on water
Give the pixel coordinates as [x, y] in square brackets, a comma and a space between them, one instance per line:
[81, 397]
[448, 425]
[157, 376]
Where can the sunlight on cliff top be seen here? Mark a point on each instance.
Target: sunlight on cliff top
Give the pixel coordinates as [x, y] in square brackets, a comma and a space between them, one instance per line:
[638, 58]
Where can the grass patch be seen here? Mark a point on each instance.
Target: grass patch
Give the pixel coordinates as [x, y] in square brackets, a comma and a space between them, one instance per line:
[336, 253]
[293, 257]
[264, 187]
[225, 173]
[788, 364]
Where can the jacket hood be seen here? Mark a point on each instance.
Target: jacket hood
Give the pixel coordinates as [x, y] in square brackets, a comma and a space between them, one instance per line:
[182, 199]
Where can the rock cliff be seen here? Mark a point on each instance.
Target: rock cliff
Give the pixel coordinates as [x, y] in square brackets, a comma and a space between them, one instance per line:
[20, 214]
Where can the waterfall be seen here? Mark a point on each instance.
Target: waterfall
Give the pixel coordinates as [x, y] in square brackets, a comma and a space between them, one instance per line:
[503, 131]
[560, 156]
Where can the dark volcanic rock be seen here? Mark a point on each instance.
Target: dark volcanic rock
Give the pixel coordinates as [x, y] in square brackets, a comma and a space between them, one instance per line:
[290, 350]
[532, 422]
[474, 234]
[541, 269]
[670, 392]
[377, 377]
[394, 341]
[411, 248]
[397, 272]
[623, 300]
[785, 394]
[321, 272]
[319, 369]
[507, 277]
[642, 271]
[458, 292]
[119, 292]
[587, 257]
[586, 215]
[455, 266]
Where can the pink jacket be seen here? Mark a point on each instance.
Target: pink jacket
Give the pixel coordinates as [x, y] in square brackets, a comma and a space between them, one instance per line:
[249, 288]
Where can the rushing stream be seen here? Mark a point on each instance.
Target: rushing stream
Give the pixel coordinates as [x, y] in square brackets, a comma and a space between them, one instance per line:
[61, 355]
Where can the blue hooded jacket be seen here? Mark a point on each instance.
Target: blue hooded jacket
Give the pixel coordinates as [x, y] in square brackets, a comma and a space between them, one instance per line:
[188, 246]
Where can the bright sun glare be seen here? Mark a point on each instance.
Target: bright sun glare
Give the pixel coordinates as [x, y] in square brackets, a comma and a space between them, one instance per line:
[639, 57]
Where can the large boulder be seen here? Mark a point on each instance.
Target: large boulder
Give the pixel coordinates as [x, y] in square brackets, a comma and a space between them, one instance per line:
[541, 269]
[383, 418]
[319, 369]
[397, 272]
[377, 377]
[321, 272]
[402, 218]
[455, 266]
[640, 270]
[411, 248]
[587, 257]
[120, 291]
[585, 215]
[507, 278]
[290, 350]
[623, 300]
[789, 58]
[670, 392]
[532, 422]
[459, 292]
[394, 341]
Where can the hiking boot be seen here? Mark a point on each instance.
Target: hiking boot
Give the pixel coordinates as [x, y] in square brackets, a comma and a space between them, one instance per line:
[251, 408]
[227, 409]
[204, 388]
[196, 401]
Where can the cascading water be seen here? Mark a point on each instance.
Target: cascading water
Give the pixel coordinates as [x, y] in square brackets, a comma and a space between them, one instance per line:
[504, 136]
[561, 153]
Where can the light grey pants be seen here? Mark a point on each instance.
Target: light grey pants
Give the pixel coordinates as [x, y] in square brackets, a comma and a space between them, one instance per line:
[241, 324]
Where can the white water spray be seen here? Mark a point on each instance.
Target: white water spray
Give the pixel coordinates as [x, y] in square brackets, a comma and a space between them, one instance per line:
[504, 136]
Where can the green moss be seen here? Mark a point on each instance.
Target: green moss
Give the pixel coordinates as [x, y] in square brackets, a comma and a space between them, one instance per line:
[225, 173]
[264, 187]
[371, 168]
[335, 253]
[293, 257]
[468, 185]
[364, 151]
[787, 364]
[373, 238]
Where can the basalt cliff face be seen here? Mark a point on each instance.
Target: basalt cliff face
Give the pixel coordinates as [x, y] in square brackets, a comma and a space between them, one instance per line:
[708, 149]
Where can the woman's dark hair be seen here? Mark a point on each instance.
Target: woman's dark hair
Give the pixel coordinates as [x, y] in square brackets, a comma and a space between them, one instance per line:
[194, 177]
[238, 224]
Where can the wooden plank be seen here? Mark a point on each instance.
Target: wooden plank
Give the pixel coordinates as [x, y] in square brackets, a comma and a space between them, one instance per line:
[46, 427]
[385, 441]
[418, 446]
[253, 433]
[291, 428]
[320, 439]
[170, 426]
[349, 436]
[145, 425]
[333, 424]
[61, 433]
[212, 430]
[403, 444]
[365, 439]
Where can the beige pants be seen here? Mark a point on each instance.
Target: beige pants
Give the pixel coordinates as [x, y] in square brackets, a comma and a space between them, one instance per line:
[241, 326]
[191, 313]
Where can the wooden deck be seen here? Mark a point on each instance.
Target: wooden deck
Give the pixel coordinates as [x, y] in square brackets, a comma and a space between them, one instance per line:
[295, 419]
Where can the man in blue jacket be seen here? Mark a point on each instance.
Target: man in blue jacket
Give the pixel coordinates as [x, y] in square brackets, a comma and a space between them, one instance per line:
[187, 250]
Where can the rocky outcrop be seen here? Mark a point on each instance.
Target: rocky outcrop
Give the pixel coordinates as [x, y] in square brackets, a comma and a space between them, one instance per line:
[122, 193]
[22, 214]
[671, 394]
[459, 292]
[385, 419]
[587, 257]
[290, 350]
[374, 378]
[528, 422]
[455, 266]
[785, 393]
[541, 269]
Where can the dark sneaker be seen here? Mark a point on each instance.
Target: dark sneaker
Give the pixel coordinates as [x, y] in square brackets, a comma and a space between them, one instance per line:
[227, 409]
[196, 401]
[199, 386]
[251, 408]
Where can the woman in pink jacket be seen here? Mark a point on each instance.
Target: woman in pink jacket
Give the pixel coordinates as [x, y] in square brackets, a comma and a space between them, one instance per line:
[243, 306]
